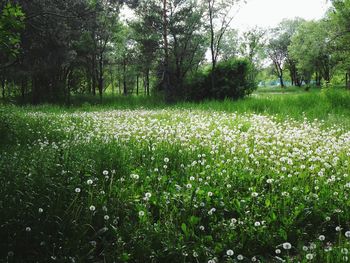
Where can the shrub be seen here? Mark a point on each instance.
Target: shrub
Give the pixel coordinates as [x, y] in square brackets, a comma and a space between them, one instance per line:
[234, 79]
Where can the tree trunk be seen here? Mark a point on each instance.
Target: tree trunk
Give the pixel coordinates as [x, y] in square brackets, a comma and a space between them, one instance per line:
[125, 91]
[23, 87]
[166, 77]
[93, 72]
[100, 77]
[147, 82]
[3, 87]
[137, 85]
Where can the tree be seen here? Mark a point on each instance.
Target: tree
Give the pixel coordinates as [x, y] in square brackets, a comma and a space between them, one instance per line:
[339, 18]
[220, 16]
[310, 49]
[277, 49]
[147, 33]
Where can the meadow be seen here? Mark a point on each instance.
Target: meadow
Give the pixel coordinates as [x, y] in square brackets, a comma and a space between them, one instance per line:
[265, 179]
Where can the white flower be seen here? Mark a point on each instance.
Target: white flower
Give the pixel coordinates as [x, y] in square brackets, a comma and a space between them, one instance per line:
[92, 208]
[188, 186]
[344, 251]
[89, 182]
[106, 217]
[201, 228]
[305, 248]
[338, 229]
[240, 257]
[269, 181]
[28, 229]
[40, 210]
[309, 256]
[211, 211]
[257, 224]
[105, 172]
[134, 176]
[321, 237]
[286, 246]
[278, 251]
[347, 234]
[255, 194]
[148, 195]
[166, 160]
[210, 194]
[77, 190]
[229, 252]
[141, 213]
[195, 254]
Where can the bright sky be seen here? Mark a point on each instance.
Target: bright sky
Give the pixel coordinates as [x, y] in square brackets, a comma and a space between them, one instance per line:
[268, 13]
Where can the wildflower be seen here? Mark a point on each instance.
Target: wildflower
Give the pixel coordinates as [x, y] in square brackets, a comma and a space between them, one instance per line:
[195, 254]
[166, 160]
[28, 229]
[201, 228]
[141, 213]
[211, 211]
[338, 229]
[106, 217]
[229, 252]
[257, 224]
[240, 257]
[77, 190]
[347, 234]
[92, 208]
[89, 182]
[309, 256]
[255, 194]
[286, 246]
[269, 181]
[210, 194]
[321, 237]
[305, 248]
[344, 251]
[40, 210]
[134, 176]
[105, 172]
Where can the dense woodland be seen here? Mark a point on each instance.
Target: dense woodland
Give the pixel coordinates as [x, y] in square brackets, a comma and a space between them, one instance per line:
[51, 49]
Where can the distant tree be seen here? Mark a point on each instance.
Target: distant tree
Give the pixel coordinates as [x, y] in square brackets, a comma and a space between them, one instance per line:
[230, 44]
[339, 18]
[310, 49]
[220, 15]
[277, 49]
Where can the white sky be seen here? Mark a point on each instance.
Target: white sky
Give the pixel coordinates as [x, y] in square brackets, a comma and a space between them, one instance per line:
[268, 13]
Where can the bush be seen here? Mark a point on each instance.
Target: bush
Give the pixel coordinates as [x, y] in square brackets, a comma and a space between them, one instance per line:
[234, 79]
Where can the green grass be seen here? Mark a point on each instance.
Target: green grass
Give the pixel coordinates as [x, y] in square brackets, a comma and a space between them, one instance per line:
[134, 180]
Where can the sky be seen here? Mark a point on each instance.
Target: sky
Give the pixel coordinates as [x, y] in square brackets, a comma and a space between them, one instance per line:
[268, 13]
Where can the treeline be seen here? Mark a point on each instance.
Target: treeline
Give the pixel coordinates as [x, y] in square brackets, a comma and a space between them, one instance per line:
[313, 51]
[51, 49]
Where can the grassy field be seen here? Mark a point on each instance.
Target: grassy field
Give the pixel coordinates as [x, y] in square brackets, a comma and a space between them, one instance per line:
[264, 179]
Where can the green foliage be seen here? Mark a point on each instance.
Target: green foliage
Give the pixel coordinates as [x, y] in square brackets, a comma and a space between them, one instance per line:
[234, 79]
[11, 24]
